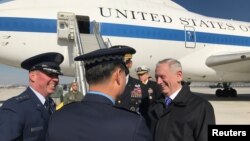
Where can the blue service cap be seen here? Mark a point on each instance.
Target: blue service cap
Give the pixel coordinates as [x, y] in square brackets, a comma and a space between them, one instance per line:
[45, 62]
[105, 55]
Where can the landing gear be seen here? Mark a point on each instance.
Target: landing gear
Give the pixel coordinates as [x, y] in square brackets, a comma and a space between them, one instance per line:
[227, 91]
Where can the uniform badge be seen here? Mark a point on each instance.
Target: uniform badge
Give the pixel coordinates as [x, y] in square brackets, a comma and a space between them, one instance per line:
[136, 92]
[150, 92]
[72, 97]
[132, 109]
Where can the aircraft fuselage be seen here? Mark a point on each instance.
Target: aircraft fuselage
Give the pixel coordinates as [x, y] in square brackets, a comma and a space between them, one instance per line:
[156, 31]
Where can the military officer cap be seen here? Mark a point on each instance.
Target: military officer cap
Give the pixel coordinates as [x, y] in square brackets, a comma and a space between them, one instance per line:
[105, 55]
[128, 56]
[45, 62]
[142, 70]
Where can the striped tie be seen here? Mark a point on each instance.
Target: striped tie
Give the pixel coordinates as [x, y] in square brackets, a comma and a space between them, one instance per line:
[168, 101]
[49, 105]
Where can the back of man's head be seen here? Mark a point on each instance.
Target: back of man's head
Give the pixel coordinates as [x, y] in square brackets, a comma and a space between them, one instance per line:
[102, 72]
[100, 64]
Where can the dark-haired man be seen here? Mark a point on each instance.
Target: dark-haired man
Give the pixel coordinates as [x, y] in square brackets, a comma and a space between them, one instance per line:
[135, 96]
[96, 117]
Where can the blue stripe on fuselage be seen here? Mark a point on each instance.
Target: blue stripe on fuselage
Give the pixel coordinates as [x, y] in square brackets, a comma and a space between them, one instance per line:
[121, 30]
[170, 34]
[27, 24]
[141, 32]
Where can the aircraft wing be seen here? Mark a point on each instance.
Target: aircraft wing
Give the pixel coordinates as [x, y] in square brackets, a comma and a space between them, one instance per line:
[238, 62]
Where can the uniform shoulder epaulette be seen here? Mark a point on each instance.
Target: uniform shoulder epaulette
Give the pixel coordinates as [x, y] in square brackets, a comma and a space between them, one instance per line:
[22, 98]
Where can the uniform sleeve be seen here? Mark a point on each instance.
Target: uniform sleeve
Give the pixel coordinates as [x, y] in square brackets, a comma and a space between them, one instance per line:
[65, 98]
[142, 131]
[10, 124]
[206, 118]
[48, 133]
[79, 96]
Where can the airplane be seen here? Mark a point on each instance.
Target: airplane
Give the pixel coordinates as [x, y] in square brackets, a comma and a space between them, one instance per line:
[209, 49]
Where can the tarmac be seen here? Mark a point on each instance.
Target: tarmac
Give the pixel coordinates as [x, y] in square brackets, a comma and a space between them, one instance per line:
[228, 110]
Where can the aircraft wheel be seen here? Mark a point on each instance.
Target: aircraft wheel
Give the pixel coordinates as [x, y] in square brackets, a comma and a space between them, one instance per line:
[219, 93]
[226, 92]
[233, 93]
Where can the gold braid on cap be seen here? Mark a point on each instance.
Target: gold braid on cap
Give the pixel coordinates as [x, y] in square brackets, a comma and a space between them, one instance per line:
[127, 56]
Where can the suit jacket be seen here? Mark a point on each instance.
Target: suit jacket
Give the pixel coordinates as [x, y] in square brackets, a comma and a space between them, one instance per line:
[186, 119]
[23, 118]
[96, 119]
[134, 95]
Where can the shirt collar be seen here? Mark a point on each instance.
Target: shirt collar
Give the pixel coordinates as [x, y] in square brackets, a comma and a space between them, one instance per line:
[39, 96]
[127, 77]
[172, 96]
[102, 94]
[146, 82]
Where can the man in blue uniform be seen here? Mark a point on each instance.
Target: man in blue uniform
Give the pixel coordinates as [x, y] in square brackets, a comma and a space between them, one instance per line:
[25, 117]
[96, 118]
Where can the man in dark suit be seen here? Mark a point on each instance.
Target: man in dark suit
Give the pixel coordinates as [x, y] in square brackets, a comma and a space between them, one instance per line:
[96, 118]
[181, 115]
[25, 117]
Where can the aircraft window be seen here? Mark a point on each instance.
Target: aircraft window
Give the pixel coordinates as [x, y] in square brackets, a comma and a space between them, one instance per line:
[190, 36]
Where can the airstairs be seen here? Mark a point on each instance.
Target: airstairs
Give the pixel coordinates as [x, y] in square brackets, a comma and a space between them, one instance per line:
[84, 36]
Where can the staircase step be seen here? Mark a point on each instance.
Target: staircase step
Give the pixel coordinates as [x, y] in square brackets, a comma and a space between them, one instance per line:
[89, 42]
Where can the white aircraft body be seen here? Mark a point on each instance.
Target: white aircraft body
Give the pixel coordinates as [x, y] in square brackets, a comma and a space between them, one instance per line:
[210, 49]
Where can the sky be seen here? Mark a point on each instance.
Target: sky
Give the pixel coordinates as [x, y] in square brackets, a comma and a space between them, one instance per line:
[228, 9]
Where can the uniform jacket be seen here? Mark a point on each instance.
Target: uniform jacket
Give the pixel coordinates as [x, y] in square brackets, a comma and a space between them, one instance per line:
[134, 95]
[186, 119]
[72, 97]
[154, 93]
[96, 119]
[154, 90]
[23, 118]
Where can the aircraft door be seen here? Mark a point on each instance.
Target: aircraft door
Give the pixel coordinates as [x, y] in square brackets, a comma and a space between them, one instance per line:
[190, 37]
[83, 24]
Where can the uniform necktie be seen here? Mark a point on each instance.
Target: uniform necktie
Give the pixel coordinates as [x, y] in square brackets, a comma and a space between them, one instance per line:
[168, 101]
[49, 105]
